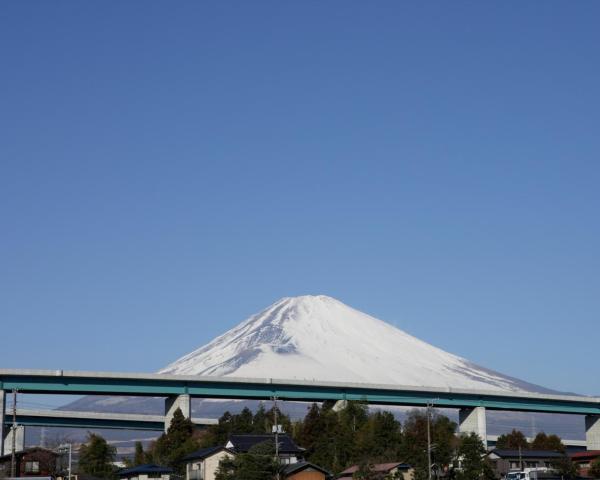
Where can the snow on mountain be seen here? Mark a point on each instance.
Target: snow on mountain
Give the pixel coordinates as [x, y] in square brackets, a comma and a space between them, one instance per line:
[320, 338]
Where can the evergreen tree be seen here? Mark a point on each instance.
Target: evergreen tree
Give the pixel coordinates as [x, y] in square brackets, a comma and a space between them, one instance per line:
[260, 421]
[380, 438]
[547, 442]
[310, 430]
[171, 447]
[139, 457]
[355, 415]
[242, 422]
[470, 454]
[512, 441]
[217, 434]
[96, 457]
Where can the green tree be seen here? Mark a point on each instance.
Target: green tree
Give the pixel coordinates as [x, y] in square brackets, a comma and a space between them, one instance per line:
[96, 457]
[329, 442]
[547, 442]
[380, 438]
[566, 468]
[310, 429]
[594, 470]
[242, 422]
[139, 457]
[258, 464]
[170, 448]
[512, 441]
[471, 456]
[414, 442]
[260, 421]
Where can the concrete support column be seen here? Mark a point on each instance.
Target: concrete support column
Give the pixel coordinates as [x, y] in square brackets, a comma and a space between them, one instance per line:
[2, 419]
[19, 439]
[592, 432]
[473, 420]
[182, 402]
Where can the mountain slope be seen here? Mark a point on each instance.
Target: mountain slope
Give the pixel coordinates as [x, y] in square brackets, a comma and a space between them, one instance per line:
[319, 337]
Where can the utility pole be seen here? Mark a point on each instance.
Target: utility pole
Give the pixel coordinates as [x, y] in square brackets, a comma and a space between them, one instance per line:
[520, 458]
[276, 427]
[13, 457]
[70, 459]
[62, 448]
[429, 405]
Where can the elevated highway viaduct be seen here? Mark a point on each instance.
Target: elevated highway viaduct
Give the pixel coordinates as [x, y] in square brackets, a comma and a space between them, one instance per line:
[178, 391]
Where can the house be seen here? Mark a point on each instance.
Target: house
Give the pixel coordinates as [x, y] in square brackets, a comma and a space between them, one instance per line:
[305, 471]
[204, 463]
[288, 451]
[504, 461]
[31, 462]
[584, 460]
[145, 472]
[381, 470]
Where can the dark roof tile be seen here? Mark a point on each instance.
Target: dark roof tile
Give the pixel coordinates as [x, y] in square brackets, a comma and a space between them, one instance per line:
[204, 452]
[147, 468]
[243, 443]
[527, 453]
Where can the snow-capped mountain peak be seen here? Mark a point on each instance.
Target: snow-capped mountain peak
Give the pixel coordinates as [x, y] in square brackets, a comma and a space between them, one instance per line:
[320, 338]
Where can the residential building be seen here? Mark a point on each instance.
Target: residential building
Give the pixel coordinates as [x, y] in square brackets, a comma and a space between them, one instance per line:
[381, 470]
[504, 461]
[584, 460]
[31, 462]
[305, 471]
[288, 451]
[146, 472]
[203, 464]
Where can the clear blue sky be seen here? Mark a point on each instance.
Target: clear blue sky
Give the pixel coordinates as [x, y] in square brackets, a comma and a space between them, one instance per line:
[169, 168]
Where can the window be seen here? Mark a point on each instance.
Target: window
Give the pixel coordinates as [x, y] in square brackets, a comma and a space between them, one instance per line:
[531, 464]
[32, 467]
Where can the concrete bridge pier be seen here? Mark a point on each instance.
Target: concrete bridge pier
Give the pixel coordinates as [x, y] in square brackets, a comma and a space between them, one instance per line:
[184, 402]
[592, 432]
[19, 439]
[2, 417]
[473, 420]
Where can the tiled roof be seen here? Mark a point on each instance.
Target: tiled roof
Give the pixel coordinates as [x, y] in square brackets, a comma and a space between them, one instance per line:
[147, 468]
[243, 443]
[29, 450]
[377, 467]
[203, 453]
[527, 453]
[585, 455]
[299, 466]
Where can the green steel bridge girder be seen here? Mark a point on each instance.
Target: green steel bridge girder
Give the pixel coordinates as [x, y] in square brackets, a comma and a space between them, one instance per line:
[151, 385]
[36, 421]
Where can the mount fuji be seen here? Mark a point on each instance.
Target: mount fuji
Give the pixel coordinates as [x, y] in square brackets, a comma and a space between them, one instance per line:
[320, 338]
